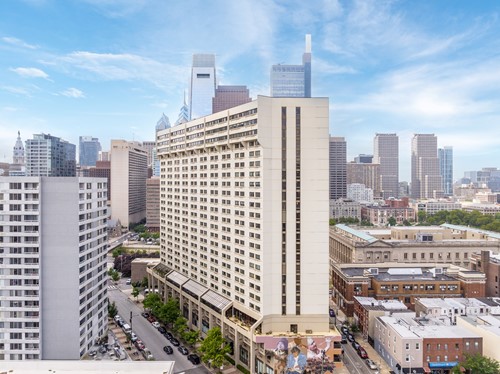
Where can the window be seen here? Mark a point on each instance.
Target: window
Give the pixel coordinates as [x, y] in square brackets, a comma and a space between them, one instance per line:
[417, 345]
[407, 346]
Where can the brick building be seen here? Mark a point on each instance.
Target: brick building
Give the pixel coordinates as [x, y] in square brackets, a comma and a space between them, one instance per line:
[489, 264]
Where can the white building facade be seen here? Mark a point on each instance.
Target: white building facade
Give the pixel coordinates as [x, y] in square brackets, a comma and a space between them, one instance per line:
[244, 212]
[53, 242]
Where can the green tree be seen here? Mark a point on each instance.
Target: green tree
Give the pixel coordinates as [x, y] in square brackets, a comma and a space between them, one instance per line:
[421, 217]
[112, 310]
[214, 348]
[332, 222]
[180, 325]
[145, 282]
[406, 223]
[478, 364]
[391, 221]
[169, 312]
[152, 301]
[114, 274]
[191, 337]
[135, 292]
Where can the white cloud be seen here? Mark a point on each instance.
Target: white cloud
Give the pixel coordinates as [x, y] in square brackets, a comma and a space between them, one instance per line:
[30, 72]
[18, 42]
[73, 92]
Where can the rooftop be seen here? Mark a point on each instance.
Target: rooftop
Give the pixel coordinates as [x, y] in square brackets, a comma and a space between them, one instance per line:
[87, 367]
[356, 233]
[374, 304]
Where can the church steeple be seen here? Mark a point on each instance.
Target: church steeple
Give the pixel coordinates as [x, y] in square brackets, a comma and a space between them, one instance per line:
[18, 154]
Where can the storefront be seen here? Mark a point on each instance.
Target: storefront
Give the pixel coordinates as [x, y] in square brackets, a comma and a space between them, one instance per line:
[441, 367]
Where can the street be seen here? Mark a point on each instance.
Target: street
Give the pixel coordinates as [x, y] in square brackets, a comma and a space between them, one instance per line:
[153, 340]
[352, 361]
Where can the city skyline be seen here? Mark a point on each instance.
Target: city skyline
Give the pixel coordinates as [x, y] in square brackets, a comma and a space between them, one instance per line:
[432, 70]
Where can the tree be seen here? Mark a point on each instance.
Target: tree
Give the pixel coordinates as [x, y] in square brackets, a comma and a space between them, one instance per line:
[191, 337]
[112, 310]
[169, 312]
[152, 301]
[421, 217]
[114, 274]
[478, 364]
[180, 325]
[214, 348]
[332, 222]
[391, 221]
[135, 292]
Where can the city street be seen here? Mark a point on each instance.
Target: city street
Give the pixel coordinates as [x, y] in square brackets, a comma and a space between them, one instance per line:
[153, 340]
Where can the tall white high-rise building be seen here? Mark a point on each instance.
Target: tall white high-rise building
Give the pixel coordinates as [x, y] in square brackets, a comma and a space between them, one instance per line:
[386, 154]
[50, 156]
[129, 171]
[53, 245]
[203, 82]
[445, 156]
[244, 244]
[425, 177]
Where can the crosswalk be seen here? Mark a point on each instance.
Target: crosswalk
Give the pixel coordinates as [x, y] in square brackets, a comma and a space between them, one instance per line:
[112, 287]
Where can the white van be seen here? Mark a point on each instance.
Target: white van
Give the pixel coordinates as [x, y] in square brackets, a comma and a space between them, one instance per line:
[126, 328]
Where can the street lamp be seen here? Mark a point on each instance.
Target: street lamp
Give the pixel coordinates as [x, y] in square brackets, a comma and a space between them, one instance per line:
[132, 315]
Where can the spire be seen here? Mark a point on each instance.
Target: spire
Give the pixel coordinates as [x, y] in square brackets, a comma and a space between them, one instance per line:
[183, 113]
[18, 154]
[163, 123]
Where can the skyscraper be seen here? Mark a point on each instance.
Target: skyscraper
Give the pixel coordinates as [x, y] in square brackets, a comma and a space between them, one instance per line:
[425, 177]
[445, 156]
[129, 171]
[229, 96]
[386, 153]
[338, 167]
[53, 267]
[89, 149]
[366, 174]
[293, 80]
[50, 156]
[249, 251]
[202, 89]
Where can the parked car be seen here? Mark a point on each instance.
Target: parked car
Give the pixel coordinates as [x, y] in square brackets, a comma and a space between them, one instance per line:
[372, 365]
[175, 342]
[117, 318]
[344, 339]
[183, 350]
[168, 349]
[362, 353]
[344, 330]
[162, 330]
[355, 345]
[350, 337]
[145, 314]
[139, 345]
[168, 335]
[155, 324]
[151, 318]
[129, 281]
[194, 359]
[133, 337]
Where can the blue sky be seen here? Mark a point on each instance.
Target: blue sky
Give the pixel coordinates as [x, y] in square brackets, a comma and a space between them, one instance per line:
[110, 68]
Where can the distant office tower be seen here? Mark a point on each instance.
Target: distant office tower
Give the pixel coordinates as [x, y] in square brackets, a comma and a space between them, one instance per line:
[89, 149]
[363, 159]
[102, 169]
[259, 222]
[162, 124]
[18, 166]
[366, 174]
[149, 146]
[49, 156]
[293, 80]
[229, 96]
[129, 171]
[104, 156]
[53, 267]
[153, 204]
[338, 168]
[386, 153]
[445, 156]
[203, 83]
[425, 177]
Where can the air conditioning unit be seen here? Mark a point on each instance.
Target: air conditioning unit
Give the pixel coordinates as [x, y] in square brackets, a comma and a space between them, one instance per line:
[374, 271]
[438, 271]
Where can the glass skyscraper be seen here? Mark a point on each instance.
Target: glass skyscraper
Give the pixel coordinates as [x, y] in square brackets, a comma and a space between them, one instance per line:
[445, 155]
[88, 149]
[50, 156]
[202, 88]
[293, 80]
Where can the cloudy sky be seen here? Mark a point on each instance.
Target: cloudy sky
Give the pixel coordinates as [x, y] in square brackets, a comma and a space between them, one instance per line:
[110, 68]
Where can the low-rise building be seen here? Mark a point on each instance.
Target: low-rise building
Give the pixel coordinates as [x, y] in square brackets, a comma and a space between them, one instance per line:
[410, 244]
[366, 309]
[404, 282]
[379, 215]
[488, 327]
[489, 264]
[345, 208]
[409, 344]
[488, 209]
[431, 207]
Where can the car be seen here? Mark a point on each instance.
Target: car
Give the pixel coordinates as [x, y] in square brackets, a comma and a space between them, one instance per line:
[133, 337]
[355, 345]
[151, 318]
[117, 318]
[344, 330]
[155, 324]
[175, 342]
[332, 313]
[139, 345]
[162, 330]
[92, 353]
[120, 322]
[344, 339]
[102, 349]
[183, 350]
[168, 335]
[350, 337]
[129, 281]
[168, 349]
[372, 365]
[145, 314]
[362, 353]
[194, 359]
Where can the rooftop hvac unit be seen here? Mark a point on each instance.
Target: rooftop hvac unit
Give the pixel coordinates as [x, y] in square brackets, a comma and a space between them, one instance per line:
[374, 271]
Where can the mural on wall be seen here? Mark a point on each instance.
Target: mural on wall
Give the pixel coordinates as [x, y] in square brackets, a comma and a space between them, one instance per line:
[300, 355]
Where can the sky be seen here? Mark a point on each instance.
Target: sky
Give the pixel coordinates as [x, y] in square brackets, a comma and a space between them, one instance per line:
[110, 68]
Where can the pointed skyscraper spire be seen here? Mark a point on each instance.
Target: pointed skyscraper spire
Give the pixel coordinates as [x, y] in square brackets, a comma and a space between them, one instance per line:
[184, 112]
[163, 123]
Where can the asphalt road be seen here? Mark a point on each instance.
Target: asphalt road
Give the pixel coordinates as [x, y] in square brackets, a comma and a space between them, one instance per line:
[153, 340]
[352, 361]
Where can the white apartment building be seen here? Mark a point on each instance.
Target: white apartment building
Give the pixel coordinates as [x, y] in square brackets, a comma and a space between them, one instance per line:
[433, 206]
[53, 242]
[129, 171]
[244, 224]
[359, 192]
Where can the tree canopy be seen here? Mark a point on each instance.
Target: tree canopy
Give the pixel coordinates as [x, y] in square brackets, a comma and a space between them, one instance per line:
[214, 348]
[460, 217]
[478, 364]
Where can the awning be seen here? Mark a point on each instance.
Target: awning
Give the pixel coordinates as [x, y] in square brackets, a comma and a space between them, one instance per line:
[177, 279]
[443, 365]
[215, 301]
[194, 289]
